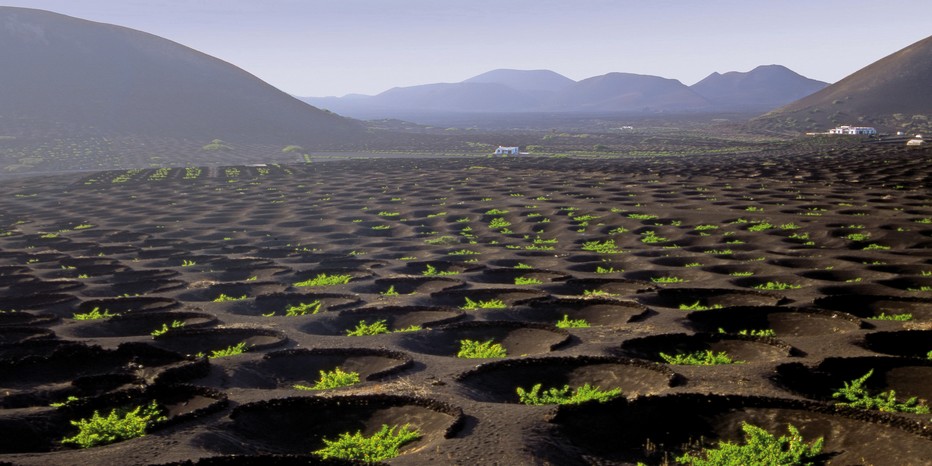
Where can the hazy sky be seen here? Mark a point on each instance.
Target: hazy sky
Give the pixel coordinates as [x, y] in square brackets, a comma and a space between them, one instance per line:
[335, 47]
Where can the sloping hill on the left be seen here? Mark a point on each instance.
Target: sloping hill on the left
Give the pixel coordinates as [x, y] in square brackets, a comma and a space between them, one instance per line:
[63, 75]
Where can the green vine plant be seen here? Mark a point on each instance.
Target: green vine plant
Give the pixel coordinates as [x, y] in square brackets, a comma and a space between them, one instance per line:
[565, 395]
[232, 350]
[699, 358]
[95, 314]
[323, 279]
[767, 332]
[303, 309]
[363, 329]
[893, 317]
[856, 396]
[116, 426]
[382, 445]
[698, 306]
[760, 448]
[472, 349]
[566, 322]
[223, 298]
[432, 271]
[332, 379]
[488, 304]
[165, 328]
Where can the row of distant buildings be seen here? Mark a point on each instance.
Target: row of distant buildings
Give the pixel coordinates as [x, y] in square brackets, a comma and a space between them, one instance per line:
[871, 131]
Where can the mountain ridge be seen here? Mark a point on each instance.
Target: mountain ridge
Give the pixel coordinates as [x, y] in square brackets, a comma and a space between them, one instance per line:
[545, 91]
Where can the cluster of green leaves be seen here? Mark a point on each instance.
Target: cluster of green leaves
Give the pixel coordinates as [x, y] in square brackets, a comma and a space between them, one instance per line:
[699, 358]
[303, 309]
[488, 304]
[382, 445]
[499, 223]
[566, 322]
[767, 332]
[95, 314]
[165, 328]
[601, 247]
[895, 317]
[650, 237]
[390, 291]
[231, 350]
[332, 379]
[857, 396]
[323, 279]
[565, 395]
[777, 286]
[760, 448]
[667, 280]
[527, 281]
[432, 271]
[362, 329]
[472, 349]
[120, 424]
[698, 306]
[224, 298]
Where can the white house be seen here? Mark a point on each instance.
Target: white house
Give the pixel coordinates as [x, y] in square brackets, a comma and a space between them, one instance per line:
[502, 150]
[853, 130]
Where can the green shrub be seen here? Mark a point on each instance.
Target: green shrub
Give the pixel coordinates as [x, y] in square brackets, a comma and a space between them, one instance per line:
[767, 332]
[697, 306]
[566, 322]
[894, 317]
[601, 247]
[363, 329]
[667, 280]
[303, 309]
[95, 314]
[760, 448]
[332, 379]
[857, 396]
[322, 279]
[564, 396]
[382, 445]
[116, 426]
[489, 304]
[165, 328]
[699, 358]
[777, 286]
[224, 298]
[232, 350]
[472, 349]
[432, 271]
[527, 281]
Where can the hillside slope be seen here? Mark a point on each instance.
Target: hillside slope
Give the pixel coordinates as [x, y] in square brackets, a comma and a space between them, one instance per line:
[61, 71]
[891, 94]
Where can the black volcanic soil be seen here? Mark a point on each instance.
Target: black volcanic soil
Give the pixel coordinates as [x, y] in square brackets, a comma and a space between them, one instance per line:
[813, 245]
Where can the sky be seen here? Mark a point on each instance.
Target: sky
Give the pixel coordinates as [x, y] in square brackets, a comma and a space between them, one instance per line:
[337, 47]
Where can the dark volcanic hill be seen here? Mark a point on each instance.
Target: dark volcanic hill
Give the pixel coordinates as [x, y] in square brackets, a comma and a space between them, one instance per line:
[105, 79]
[892, 94]
[759, 90]
[630, 93]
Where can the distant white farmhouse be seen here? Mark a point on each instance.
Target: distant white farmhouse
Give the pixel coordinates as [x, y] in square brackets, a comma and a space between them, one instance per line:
[502, 150]
[853, 130]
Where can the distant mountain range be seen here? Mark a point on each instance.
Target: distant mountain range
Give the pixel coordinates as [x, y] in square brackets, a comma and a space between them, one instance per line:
[60, 71]
[893, 93]
[503, 91]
